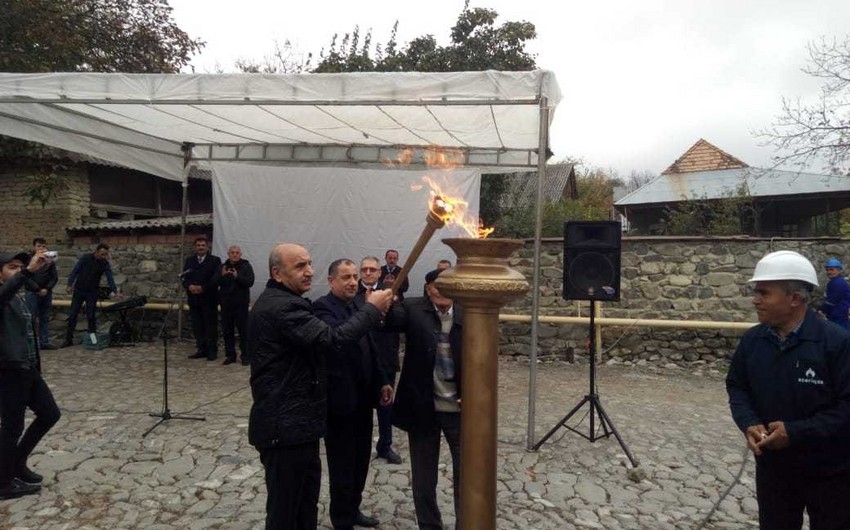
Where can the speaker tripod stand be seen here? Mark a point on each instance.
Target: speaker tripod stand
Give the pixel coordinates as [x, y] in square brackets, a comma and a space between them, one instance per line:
[166, 414]
[595, 405]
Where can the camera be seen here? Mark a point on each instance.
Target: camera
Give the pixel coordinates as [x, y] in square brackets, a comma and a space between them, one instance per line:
[52, 254]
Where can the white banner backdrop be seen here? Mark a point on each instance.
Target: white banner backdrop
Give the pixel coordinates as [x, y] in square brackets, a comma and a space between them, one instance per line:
[334, 213]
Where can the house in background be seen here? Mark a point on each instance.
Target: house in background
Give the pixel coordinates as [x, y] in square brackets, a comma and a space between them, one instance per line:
[784, 203]
[93, 192]
[559, 182]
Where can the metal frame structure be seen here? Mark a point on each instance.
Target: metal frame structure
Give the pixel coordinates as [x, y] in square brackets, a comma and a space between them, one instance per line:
[55, 108]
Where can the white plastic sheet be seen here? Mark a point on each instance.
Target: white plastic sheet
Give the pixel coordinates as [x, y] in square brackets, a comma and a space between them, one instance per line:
[334, 213]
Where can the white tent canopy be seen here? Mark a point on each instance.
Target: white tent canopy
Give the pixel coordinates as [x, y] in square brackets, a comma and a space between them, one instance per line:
[143, 121]
[163, 124]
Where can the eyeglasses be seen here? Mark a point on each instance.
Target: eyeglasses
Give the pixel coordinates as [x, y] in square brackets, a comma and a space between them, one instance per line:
[368, 269]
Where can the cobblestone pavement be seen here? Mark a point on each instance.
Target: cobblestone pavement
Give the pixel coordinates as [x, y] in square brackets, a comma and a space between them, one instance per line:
[100, 472]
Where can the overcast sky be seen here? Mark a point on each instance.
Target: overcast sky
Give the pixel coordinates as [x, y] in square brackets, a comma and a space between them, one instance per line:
[642, 80]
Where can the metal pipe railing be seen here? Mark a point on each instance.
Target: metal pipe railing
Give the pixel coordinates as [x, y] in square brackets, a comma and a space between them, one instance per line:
[641, 322]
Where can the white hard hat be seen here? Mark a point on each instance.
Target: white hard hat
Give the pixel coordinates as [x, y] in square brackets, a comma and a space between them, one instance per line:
[785, 265]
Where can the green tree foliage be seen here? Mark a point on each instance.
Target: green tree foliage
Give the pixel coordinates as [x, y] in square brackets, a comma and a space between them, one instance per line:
[595, 201]
[733, 214]
[809, 132]
[135, 36]
[92, 36]
[477, 43]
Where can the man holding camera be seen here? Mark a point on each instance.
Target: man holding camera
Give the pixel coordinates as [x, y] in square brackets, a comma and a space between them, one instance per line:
[21, 384]
[234, 292]
[40, 292]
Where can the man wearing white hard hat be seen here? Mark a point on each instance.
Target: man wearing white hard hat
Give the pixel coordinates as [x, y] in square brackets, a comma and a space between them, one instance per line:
[789, 392]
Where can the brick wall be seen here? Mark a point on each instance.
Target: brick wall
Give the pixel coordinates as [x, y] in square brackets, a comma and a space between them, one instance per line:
[21, 220]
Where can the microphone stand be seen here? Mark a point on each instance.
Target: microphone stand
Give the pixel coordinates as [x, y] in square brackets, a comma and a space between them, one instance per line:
[166, 414]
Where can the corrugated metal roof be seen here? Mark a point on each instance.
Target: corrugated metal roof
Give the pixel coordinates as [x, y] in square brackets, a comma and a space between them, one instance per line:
[677, 187]
[203, 219]
[522, 187]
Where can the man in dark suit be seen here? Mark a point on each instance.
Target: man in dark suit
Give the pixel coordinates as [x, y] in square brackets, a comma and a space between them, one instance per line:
[234, 292]
[390, 272]
[387, 342]
[200, 278]
[428, 395]
[356, 382]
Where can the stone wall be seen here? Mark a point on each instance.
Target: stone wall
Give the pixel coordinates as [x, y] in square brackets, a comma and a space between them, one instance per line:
[662, 278]
[143, 265]
[21, 220]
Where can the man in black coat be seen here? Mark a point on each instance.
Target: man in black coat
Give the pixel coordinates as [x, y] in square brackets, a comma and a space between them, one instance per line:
[234, 293]
[21, 384]
[428, 395]
[200, 279]
[287, 345]
[356, 381]
[387, 343]
[40, 294]
[390, 272]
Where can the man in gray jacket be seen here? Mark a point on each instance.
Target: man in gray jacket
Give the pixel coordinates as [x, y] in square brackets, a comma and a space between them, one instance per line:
[21, 384]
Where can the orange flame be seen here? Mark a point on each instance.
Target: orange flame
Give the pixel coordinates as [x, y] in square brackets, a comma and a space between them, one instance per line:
[454, 210]
[446, 207]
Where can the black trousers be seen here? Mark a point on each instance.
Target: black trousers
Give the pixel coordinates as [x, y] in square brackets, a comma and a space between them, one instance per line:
[293, 476]
[77, 299]
[204, 314]
[234, 317]
[348, 444]
[783, 495]
[20, 389]
[424, 462]
[385, 426]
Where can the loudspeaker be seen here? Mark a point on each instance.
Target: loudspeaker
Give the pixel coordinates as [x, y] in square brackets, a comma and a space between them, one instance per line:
[592, 260]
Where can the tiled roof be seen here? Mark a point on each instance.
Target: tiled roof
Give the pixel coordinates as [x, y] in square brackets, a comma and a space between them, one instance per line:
[203, 219]
[522, 187]
[702, 156]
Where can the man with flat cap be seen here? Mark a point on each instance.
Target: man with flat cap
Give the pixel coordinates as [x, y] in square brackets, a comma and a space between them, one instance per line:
[21, 384]
[427, 403]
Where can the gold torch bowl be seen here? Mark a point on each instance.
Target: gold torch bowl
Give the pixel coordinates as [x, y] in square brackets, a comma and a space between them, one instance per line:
[482, 282]
[482, 274]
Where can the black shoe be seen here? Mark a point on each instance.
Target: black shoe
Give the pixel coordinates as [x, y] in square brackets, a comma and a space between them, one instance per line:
[361, 519]
[67, 344]
[245, 362]
[48, 346]
[229, 360]
[198, 355]
[391, 456]
[28, 476]
[16, 489]
[212, 357]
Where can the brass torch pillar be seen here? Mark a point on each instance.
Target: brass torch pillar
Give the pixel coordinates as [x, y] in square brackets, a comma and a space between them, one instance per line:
[482, 282]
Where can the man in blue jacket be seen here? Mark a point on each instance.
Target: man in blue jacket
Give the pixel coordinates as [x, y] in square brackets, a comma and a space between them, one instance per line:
[83, 285]
[836, 303]
[789, 392]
